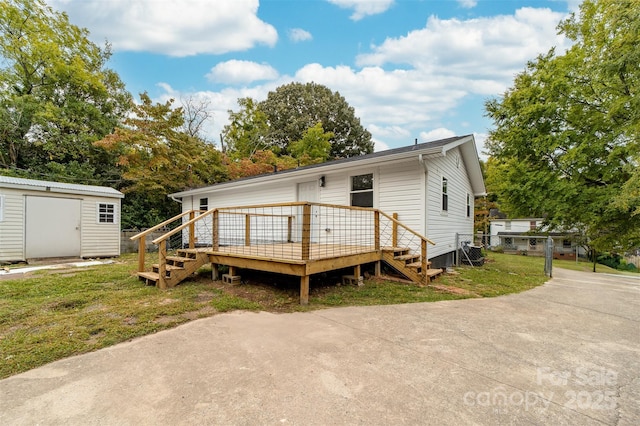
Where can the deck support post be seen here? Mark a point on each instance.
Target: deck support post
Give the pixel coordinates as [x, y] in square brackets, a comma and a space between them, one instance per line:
[378, 268]
[304, 290]
[162, 265]
[356, 272]
[232, 271]
[215, 276]
[141, 249]
[394, 238]
[192, 230]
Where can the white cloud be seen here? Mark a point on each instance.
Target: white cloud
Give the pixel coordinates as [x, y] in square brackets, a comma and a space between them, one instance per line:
[468, 4]
[175, 28]
[442, 65]
[298, 34]
[234, 72]
[436, 134]
[363, 8]
[484, 53]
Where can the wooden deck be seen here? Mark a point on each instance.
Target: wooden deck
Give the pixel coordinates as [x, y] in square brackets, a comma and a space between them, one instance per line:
[349, 237]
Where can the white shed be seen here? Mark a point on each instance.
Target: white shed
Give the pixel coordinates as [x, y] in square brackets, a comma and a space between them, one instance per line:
[431, 186]
[41, 219]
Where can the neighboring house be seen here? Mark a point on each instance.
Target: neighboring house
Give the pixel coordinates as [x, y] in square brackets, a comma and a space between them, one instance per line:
[528, 235]
[40, 219]
[431, 186]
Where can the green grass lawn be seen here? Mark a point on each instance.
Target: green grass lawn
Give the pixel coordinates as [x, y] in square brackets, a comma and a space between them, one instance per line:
[57, 313]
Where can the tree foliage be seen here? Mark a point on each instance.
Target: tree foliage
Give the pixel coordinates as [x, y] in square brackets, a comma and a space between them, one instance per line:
[293, 108]
[57, 96]
[314, 147]
[245, 135]
[157, 157]
[566, 139]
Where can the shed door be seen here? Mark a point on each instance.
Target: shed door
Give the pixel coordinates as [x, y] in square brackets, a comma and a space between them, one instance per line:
[52, 227]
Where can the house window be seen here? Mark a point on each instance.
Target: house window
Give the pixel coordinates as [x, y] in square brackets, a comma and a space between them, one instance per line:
[204, 204]
[566, 244]
[533, 243]
[106, 213]
[508, 241]
[445, 196]
[362, 190]
[468, 205]
[532, 225]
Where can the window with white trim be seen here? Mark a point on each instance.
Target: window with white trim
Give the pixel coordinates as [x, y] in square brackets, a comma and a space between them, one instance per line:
[106, 213]
[445, 195]
[204, 204]
[362, 190]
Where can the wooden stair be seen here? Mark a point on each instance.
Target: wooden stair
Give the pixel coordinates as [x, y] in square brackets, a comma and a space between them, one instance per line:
[410, 265]
[177, 268]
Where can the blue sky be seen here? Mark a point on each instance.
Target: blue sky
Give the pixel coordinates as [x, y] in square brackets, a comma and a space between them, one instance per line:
[410, 68]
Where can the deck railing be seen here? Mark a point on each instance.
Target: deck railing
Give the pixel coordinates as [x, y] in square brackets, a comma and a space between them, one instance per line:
[299, 231]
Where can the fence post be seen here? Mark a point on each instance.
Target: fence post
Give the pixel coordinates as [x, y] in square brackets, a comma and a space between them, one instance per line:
[192, 230]
[424, 261]
[215, 224]
[376, 225]
[162, 264]
[247, 230]
[306, 231]
[548, 257]
[394, 239]
[457, 253]
[142, 246]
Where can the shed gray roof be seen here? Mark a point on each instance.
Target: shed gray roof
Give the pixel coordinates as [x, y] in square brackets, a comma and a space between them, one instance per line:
[58, 187]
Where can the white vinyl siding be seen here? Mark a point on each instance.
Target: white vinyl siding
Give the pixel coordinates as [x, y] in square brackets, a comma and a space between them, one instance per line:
[1, 208]
[12, 227]
[401, 190]
[99, 238]
[440, 228]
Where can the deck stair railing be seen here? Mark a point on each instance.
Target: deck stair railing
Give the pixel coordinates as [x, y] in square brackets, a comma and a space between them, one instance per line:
[299, 231]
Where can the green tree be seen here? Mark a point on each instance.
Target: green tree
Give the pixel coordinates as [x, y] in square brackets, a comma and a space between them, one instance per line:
[56, 95]
[314, 147]
[157, 157]
[293, 108]
[566, 141]
[246, 133]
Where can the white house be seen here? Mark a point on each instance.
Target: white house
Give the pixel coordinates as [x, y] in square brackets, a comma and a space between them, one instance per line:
[41, 219]
[528, 235]
[430, 185]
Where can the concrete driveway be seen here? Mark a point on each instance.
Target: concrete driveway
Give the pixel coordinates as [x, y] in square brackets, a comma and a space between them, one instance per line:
[564, 353]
